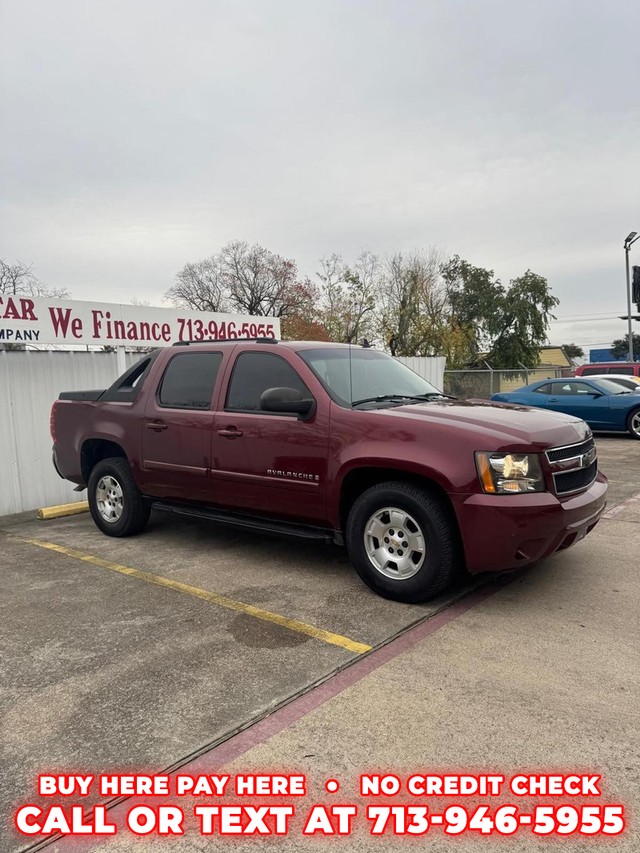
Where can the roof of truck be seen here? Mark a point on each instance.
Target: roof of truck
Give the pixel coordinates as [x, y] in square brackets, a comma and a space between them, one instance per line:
[260, 342]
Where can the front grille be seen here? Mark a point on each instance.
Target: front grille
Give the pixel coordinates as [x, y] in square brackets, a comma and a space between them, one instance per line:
[559, 453]
[573, 481]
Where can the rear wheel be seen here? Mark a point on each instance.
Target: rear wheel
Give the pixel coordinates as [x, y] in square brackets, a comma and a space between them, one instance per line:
[115, 502]
[633, 424]
[402, 542]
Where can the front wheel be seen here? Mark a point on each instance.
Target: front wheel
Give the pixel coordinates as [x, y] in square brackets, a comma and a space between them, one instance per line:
[115, 502]
[402, 542]
[633, 424]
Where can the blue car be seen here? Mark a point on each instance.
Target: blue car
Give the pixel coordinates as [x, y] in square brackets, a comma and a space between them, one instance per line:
[603, 404]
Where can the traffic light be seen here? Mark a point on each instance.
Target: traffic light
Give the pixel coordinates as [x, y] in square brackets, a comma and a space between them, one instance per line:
[635, 290]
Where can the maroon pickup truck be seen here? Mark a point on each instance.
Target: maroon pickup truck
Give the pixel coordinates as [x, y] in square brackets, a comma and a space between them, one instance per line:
[333, 443]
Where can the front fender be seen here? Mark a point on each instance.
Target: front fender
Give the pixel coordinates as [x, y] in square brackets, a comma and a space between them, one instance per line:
[458, 475]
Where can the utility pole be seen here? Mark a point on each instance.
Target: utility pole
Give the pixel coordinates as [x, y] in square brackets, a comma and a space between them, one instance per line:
[628, 243]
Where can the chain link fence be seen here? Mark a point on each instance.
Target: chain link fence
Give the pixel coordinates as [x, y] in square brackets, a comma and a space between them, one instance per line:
[481, 384]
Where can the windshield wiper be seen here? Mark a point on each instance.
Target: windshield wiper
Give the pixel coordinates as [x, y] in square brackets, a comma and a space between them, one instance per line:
[434, 394]
[381, 398]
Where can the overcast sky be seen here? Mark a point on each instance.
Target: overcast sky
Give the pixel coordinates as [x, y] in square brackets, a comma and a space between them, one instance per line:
[138, 135]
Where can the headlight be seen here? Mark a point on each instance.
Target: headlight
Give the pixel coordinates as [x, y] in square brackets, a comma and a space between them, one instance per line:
[509, 473]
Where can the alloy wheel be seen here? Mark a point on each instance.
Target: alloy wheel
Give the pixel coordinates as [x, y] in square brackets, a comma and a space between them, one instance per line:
[109, 499]
[395, 543]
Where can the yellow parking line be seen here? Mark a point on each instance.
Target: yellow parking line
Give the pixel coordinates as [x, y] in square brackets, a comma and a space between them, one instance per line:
[212, 597]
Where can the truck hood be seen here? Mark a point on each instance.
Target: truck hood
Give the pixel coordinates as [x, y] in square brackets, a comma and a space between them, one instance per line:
[498, 424]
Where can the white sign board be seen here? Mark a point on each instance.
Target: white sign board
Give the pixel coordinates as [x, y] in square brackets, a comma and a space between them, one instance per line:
[26, 320]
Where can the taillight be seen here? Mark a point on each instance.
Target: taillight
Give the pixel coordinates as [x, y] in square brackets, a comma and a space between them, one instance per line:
[52, 421]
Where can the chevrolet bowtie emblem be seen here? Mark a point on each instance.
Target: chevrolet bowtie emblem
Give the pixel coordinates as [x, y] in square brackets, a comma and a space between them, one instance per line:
[587, 458]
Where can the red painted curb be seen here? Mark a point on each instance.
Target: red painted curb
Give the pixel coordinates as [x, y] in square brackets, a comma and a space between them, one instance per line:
[618, 508]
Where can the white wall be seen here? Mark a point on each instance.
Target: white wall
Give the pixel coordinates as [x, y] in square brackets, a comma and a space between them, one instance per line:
[431, 369]
[29, 384]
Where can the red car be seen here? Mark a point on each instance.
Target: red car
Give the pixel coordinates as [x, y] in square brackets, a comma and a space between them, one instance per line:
[337, 443]
[620, 368]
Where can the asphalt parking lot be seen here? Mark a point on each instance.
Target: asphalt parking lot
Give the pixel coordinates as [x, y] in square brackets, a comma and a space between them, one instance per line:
[147, 653]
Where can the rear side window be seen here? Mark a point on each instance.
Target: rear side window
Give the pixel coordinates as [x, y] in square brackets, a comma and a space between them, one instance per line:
[189, 379]
[591, 371]
[254, 373]
[125, 389]
[543, 389]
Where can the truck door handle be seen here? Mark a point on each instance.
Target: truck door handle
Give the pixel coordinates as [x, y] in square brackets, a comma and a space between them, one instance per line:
[157, 426]
[230, 432]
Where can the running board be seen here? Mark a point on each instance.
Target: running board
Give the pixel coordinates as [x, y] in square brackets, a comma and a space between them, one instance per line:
[252, 522]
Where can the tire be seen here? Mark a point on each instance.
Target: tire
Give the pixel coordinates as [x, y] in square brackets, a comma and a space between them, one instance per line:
[113, 492]
[633, 424]
[424, 568]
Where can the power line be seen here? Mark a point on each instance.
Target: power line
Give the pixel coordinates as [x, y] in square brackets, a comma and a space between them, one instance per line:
[586, 313]
[592, 344]
[588, 320]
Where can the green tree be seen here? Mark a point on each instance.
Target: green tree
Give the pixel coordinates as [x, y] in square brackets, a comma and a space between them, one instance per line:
[620, 348]
[521, 322]
[509, 323]
[573, 350]
[474, 295]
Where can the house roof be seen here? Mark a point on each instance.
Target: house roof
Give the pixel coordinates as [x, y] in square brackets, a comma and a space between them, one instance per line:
[554, 356]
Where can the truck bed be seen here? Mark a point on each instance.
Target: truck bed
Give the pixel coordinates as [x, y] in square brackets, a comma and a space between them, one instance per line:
[91, 396]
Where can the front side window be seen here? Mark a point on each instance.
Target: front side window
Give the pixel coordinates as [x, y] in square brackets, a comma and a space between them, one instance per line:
[189, 379]
[353, 374]
[256, 372]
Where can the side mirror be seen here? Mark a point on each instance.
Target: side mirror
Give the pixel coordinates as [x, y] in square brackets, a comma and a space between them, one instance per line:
[287, 401]
[596, 394]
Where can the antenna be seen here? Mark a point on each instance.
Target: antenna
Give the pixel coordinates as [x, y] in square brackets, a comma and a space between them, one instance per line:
[350, 377]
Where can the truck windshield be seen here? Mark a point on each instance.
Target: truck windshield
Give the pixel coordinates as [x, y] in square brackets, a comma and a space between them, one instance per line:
[364, 375]
[609, 386]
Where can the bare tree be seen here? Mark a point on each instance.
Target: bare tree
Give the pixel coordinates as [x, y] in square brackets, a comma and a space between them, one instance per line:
[414, 306]
[200, 287]
[258, 281]
[349, 295]
[245, 279]
[19, 278]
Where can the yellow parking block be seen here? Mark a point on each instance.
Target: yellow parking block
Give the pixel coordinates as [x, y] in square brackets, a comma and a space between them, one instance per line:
[60, 511]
